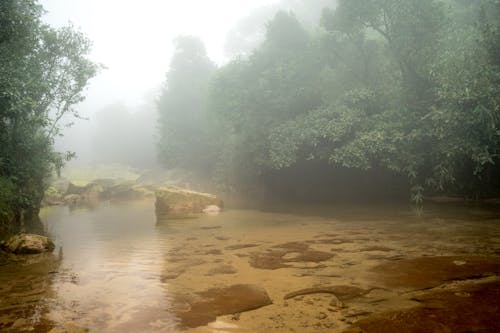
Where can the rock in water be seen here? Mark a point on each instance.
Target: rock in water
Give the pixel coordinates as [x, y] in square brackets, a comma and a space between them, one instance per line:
[223, 301]
[212, 210]
[28, 244]
[175, 202]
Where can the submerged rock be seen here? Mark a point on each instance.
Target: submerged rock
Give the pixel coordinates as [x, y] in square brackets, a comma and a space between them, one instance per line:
[429, 272]
[178, 203]
[222, 301]
[342, 292]
[473, 309]
[28, 244]
[281, 255]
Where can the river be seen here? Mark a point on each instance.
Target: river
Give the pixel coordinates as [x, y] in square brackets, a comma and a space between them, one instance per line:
[117, 269]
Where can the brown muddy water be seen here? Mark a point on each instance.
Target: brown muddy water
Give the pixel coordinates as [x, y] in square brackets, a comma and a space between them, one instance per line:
[314, 269]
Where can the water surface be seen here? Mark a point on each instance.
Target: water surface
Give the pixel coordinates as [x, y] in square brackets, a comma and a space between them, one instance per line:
[117, 269]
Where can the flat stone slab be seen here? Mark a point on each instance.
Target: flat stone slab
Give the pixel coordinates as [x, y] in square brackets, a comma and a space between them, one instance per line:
[222, 301]
[471, 309]
[281, 255]
[429, 272]
[342, 292]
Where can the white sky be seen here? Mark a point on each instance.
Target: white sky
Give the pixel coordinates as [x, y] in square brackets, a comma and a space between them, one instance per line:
[134, 39]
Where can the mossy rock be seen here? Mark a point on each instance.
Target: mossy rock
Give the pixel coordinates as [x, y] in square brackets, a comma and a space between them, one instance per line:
[52, 196]
[28, 244]
[175, 202]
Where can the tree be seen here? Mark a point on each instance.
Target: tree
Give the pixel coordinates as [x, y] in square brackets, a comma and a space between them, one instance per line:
[249, 97]
[43, 72]
[435, 120]
[182, 107]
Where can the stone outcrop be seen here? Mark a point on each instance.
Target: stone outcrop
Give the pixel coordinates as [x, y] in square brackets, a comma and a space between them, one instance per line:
[96, 191]
[175, 202]
[28, 244]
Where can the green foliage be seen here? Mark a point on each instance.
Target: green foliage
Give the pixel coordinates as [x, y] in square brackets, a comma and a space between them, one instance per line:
[404, 86]
[182, 107]
[43, 72]
[249, 97]
[436, 118]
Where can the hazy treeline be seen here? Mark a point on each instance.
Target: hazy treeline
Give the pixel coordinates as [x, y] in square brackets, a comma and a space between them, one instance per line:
[406, 90]
[114, 134]
[42, 74]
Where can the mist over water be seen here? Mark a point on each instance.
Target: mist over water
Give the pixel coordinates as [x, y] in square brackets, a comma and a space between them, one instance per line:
[249, 166]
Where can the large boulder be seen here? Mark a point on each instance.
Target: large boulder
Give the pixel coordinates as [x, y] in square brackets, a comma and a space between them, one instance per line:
[175, 202]
[28, 244]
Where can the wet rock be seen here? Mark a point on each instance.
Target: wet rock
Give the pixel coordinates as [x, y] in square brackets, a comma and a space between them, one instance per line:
[310, 256]
[321, 316]
[442, 311]
[293, 246]
[175, 202]
[342, 292]
[222, 269]
[211, 227]
[212, 210]
[278, 256]
[267, 260]
[69, 328]
[28, 244]
[375, 248]
[335, 241]
[429, 272]
[240, 246]
[175, 271]
[214, 252]
[336, 302]
[223, 301]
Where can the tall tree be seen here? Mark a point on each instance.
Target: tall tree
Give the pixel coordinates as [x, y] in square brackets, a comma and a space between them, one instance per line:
[183, 108]
[43, 72]
[251, 96]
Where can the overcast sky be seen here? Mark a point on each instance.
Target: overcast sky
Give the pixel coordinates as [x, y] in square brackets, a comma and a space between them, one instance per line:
[133, 39]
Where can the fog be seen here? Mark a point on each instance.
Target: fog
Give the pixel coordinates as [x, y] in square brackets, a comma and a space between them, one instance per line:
[316, 166]
[134, 45]
[176, 75]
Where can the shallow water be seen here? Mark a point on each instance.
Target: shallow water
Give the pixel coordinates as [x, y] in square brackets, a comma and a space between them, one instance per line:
[117, 269]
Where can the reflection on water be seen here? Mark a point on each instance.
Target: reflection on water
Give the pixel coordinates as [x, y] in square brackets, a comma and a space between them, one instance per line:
[117, 269]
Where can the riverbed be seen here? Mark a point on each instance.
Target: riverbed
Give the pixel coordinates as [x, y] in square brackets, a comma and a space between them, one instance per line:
[116, 268]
